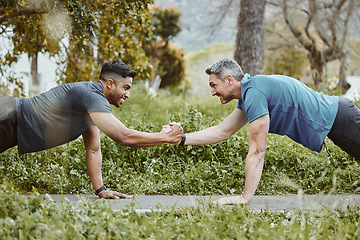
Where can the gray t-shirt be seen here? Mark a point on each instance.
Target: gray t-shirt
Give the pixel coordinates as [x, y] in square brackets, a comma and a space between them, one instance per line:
[59, 115]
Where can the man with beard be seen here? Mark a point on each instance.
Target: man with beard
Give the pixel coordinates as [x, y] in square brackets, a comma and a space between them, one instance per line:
[276, 104]
[65, 112]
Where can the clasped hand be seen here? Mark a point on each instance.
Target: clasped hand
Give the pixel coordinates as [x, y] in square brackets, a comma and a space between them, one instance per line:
[174, 132]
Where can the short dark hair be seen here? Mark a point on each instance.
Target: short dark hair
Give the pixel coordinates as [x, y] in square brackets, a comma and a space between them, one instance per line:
[225, 66]
[116, 67]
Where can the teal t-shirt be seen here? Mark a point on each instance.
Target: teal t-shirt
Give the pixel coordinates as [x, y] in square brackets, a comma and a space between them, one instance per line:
[295, 110]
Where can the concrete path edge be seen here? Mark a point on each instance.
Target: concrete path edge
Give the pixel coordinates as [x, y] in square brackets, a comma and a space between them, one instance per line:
[146, 203]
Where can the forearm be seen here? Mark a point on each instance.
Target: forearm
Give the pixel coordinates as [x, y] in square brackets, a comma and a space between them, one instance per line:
[233, 123]
[142, 139]
[253, 169]
[117, 131]
[94, 163]
[207, 136]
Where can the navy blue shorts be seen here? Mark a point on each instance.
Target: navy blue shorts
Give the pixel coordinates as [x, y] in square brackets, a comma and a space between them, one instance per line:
[345, 131]
[8, 123]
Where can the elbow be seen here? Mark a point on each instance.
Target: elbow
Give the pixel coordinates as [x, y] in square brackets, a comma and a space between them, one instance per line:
[258, 153]
[94, 152]
[125, 139]
[224, 135]
[122, 143]
[129, 144]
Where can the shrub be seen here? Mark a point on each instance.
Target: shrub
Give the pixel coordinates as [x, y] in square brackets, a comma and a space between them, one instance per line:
[287, 61]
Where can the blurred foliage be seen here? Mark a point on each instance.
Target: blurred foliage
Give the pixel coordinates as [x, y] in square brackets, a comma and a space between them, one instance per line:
[171, 74]
[166, 59]
[197, 61]
[80, 35]
[287, 61]
[166, 22]
[121, 28]
[13, 83]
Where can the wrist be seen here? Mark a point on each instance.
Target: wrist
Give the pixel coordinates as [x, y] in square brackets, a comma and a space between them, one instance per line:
[99, 190]
[247, 197]
[183, 139]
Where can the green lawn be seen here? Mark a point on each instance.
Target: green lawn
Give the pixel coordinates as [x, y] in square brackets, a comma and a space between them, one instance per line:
[167, 169]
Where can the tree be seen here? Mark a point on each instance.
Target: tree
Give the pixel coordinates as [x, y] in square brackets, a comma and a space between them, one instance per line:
[81, 34]
[321, 27]
[167, 60]
[249, 46]
[22, 23]
[171, 66]
[122, 26]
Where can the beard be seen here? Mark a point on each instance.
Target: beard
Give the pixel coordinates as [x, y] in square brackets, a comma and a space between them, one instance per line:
[115, 99]
[225, 99]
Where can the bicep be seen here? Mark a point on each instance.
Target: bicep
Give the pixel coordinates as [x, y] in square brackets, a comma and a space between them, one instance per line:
[258, 132]
[109, 125]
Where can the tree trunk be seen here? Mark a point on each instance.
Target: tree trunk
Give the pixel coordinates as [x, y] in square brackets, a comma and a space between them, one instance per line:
[344, 85]
[249, 46]
[317, 63]
[34, 70]
[317, 76]
[317, 68]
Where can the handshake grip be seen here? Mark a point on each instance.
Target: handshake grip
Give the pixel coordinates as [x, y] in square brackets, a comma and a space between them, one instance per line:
[174, 132]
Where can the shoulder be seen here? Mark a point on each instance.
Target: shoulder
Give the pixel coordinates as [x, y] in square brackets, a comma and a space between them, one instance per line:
[253, 86]
[256, 82]
[84, 88]
[266, 80]
[89, 95]
[94, 99]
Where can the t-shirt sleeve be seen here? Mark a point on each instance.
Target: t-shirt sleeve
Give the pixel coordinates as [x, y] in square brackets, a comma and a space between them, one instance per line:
[96, 102]
[255, 104]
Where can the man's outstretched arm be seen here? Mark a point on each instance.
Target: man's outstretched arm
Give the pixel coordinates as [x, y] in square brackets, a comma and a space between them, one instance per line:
[113, 128]
[235, 121]
[94, 162]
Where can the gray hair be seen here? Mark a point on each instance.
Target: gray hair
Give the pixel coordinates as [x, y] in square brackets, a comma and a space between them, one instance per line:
[225, 67]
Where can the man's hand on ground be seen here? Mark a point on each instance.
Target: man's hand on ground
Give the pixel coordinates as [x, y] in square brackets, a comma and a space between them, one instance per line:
[112, 195]
[232, 200]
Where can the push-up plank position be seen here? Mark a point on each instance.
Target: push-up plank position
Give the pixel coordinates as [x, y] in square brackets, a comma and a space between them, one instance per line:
[65, 112]
[276, 104]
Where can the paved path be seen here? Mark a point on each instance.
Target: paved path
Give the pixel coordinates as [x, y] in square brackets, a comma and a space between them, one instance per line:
[143, 203]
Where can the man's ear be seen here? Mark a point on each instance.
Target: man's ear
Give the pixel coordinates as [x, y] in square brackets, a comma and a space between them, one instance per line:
[230, 79]
[110, 84]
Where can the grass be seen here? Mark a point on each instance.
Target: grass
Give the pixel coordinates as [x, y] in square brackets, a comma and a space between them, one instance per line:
[167, 169]
[36, 217]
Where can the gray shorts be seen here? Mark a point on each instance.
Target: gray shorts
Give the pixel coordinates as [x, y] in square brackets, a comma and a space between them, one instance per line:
[345, 131]
[8, 123]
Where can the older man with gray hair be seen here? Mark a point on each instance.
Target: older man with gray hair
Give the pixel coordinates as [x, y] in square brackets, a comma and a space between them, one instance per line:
[276, 104]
